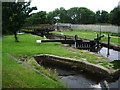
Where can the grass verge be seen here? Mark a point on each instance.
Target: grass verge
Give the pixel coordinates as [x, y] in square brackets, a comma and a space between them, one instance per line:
[17, 76]
[27, 46]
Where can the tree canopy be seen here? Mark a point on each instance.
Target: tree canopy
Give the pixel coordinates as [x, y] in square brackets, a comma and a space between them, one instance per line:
[76, 15]
[39, 17]
[14, 15]
[115, 16]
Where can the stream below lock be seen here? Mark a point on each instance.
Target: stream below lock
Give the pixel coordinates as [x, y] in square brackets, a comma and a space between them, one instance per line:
[81, 79]
[72, 79]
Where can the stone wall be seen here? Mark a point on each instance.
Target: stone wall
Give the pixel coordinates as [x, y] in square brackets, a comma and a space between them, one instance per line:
[77, 64]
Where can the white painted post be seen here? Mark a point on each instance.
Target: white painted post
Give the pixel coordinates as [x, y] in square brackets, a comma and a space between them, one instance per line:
[38, 41]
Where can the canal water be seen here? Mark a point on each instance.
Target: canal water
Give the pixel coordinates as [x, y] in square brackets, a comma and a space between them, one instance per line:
[82, 79]
[73, 79]
[113, 54]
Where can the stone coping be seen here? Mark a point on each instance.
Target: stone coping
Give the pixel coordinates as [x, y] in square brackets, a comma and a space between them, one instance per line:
[78, 64]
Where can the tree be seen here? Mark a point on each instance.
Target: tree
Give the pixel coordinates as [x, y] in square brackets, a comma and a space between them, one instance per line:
[115, 16]
[104, 16]
[37, 18]
[13, 16]
[101, 16]
[72, 13]
[58, 15]
[81, 15]
[98, 17]
[64, 18]
[53, 16]
[50, 18]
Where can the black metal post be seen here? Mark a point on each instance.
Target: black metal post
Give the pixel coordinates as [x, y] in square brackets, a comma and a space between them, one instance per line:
[65, 37]
[100, 29]
[76, 41]
[76, 37]
[108, 53]
[92, 45]
[97, 41]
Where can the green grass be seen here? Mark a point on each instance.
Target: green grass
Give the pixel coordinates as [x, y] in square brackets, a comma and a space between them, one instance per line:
[28, 46]
[90, 35]
[15, 75]
[116, 64]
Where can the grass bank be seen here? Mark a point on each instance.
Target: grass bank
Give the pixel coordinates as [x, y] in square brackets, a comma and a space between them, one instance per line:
[91, 35]
[15, 75]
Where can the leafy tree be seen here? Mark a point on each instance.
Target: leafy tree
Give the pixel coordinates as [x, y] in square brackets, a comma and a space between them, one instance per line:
[13, 16]
[98, 16]
[63, 15]
[104, 16]
[81, 15]
[53, 16]
[58, 15]
[50, 18]
[37, 18]
[72, 13]
[115, 16]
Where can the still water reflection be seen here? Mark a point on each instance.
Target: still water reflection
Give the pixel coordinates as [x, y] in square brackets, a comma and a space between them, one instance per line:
[113, 54]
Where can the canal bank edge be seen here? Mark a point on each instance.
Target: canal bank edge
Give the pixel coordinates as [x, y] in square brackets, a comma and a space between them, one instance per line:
[77, 64]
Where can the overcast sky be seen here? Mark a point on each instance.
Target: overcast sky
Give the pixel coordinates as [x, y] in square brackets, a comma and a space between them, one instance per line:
[94, 5]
